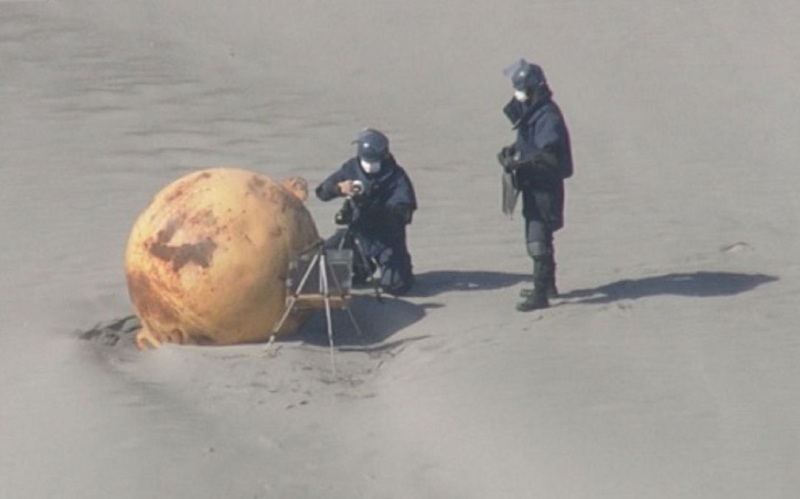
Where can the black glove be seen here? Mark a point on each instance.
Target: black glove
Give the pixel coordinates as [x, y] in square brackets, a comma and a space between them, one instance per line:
[506, 158]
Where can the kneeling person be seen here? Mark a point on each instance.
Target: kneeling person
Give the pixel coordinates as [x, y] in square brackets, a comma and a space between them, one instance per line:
[380, 202]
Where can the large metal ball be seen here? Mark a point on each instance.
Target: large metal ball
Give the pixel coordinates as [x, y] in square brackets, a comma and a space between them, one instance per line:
[207, 260]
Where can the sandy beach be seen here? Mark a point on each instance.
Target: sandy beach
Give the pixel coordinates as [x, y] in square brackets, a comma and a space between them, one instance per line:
[667, 369]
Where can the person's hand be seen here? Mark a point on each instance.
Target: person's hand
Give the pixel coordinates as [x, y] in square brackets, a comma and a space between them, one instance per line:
[346, 187]
[507, 160]
[508, 151]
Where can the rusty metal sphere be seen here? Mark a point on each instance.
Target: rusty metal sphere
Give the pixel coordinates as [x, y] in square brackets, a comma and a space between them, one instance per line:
[206, 261]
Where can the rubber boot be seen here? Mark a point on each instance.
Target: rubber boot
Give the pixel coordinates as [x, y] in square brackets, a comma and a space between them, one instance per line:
[552, 290]
[543, 269]
[536, 300]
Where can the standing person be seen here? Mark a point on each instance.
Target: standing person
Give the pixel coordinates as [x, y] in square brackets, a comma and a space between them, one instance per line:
[380, 202]
[536, 164]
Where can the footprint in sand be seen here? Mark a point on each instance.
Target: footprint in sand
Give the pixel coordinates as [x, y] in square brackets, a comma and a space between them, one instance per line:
[737, 247]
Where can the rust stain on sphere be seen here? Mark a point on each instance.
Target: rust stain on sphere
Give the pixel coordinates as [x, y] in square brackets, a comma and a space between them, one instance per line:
[206, 261]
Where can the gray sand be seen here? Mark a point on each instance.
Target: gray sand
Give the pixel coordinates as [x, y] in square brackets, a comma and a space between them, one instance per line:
[669, 369]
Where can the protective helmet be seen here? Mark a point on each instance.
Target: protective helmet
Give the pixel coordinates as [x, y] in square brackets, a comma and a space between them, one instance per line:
[526, 76]
[373, 146]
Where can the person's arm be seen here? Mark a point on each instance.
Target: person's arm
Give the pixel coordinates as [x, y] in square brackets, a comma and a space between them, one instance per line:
[543, 151]
[403, 202]
[329, 188]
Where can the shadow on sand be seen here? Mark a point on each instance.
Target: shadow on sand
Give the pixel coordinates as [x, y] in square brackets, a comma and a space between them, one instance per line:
[378, 321]
[698, 284]
[440, 281]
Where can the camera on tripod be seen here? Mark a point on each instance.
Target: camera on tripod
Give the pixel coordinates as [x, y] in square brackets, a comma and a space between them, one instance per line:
[346, 213]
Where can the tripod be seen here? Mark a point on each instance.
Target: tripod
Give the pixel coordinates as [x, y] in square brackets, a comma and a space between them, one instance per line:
[325, 264]
[366, 263]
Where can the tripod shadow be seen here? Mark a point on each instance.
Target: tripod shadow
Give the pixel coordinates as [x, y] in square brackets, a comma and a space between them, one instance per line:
[695, 284]
[378, 322]
[440, 281]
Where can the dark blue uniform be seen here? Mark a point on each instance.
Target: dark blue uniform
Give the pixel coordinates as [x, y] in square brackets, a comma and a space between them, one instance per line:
[379, 217]
[545, 157]
[537, 162]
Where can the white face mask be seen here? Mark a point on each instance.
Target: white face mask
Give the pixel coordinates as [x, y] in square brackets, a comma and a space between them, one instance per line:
[521, 95]
[370, 167]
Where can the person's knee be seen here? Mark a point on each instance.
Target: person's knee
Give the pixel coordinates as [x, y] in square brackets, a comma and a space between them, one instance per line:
[538, 239]
[396, 273]
[539, 249]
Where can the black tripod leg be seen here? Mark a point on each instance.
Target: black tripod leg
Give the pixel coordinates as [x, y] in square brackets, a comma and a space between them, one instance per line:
[369, 265]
